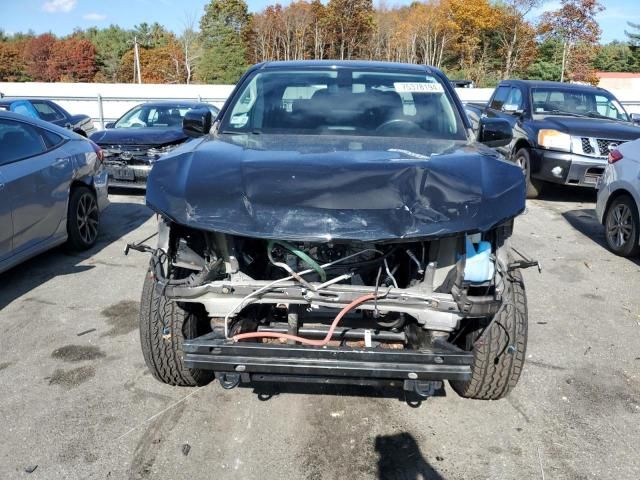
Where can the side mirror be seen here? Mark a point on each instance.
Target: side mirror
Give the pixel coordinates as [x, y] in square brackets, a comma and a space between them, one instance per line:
[110, 125]
[635, 118]
[495, 132]
[512, 109]
[197, 122]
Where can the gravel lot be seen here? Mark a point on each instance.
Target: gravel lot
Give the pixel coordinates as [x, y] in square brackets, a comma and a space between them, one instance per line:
[77, 401]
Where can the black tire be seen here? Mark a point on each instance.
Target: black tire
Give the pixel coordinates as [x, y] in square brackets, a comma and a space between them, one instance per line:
[164, 325]
[499, 350]
[622, 227]
[83, 218]
[523, 158]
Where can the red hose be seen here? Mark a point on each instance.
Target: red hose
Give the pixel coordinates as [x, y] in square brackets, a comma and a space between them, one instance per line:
[307, 341]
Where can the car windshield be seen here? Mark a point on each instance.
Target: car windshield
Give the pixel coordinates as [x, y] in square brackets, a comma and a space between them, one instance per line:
[159, 116]
[577, 102]
[344, 102]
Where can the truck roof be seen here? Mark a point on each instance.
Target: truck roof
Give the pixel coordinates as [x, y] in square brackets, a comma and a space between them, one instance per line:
[543, 83]
[345, 64]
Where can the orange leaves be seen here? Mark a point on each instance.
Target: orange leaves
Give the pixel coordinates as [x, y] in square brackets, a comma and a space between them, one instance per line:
[164, 64]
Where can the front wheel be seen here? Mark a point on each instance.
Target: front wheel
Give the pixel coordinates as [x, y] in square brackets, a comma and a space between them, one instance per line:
[164, 325]
[499, 348]
[523, 159]
[622, 227]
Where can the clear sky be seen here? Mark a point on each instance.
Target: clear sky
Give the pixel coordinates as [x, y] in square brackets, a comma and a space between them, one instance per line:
[62, 16]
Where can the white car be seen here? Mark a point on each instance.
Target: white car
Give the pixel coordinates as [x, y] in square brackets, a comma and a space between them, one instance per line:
[619, 200]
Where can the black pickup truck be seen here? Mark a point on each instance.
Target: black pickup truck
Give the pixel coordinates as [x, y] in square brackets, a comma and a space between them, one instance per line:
[562, 133]
[338, 223]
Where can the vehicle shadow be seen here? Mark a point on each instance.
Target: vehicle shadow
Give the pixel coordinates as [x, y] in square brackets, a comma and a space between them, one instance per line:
[400, 459]
[118, 219]
[267, 390]
[563, 193]
[585, 221]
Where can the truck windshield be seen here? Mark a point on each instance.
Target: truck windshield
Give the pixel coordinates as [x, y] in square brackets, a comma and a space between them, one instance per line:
[344, 102]
[577, 102]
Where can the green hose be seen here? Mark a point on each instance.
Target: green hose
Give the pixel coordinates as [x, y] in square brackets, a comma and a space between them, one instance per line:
[301, 255]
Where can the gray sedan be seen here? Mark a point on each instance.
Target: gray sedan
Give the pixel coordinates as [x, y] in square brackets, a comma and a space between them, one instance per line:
[52, 188]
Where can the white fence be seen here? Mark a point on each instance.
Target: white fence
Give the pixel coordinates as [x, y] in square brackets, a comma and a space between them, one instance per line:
[106, 102]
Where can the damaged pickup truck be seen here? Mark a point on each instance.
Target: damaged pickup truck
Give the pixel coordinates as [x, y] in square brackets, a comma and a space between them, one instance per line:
[337, 224]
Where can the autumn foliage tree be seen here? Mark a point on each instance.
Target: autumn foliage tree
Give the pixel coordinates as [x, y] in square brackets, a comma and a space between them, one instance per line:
[574, 24]
[72, 60]
[36, 54]
[480, 40]
[158, 65]
[13, 66]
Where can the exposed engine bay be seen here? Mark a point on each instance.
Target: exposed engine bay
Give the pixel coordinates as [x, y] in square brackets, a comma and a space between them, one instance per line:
[400, 295]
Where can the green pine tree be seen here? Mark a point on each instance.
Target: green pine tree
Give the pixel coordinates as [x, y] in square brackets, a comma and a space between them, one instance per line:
[634, 44]
[223, 28]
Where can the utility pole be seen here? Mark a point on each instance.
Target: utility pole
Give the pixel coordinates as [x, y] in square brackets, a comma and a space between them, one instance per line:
[136, 61]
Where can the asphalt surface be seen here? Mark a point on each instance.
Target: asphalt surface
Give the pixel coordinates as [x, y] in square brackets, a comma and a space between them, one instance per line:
[76, 400]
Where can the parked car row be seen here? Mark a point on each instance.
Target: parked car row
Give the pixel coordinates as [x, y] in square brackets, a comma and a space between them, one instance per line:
[560, 133]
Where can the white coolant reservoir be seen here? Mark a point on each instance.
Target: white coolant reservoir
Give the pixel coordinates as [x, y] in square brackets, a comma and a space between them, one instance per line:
[478, 266]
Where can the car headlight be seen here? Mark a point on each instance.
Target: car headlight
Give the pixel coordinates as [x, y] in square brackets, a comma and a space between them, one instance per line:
[159, 151]
[554, 140]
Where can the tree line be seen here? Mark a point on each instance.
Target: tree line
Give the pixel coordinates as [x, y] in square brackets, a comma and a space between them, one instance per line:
[480, 40]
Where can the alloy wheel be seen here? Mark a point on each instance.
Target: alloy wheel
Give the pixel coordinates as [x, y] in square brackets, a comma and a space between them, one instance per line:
[619, 225]
[87, 218]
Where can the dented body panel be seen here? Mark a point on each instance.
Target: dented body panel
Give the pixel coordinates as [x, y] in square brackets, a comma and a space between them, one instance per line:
[323, 188]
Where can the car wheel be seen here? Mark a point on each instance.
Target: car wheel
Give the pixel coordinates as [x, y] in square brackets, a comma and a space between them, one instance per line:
[83, 218]
[523, 159]
[164, 325]
[622, 227]
[498, 348]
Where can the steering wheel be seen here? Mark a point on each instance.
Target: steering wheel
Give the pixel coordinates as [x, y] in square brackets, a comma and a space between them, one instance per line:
[399, 125]
[138, 124]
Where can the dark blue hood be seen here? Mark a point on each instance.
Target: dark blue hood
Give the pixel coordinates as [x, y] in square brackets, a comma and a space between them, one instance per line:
[321, 188]
[155, 137]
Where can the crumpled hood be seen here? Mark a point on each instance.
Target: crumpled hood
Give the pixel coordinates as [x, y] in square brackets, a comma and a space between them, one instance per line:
[155, 137]
[594, 127]
[322, 188]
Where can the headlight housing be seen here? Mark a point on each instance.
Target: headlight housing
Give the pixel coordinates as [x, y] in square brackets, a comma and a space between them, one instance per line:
[554, 140]
[159, 151]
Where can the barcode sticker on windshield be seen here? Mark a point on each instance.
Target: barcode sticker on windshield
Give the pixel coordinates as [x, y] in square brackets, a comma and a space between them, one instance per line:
[418, 87]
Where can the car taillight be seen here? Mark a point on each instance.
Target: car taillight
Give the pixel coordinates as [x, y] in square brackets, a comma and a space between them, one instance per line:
[615, 155]
[98, 150]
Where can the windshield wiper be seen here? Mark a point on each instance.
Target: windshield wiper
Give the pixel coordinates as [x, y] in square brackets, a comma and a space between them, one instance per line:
[562, 112]
[599, 115]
